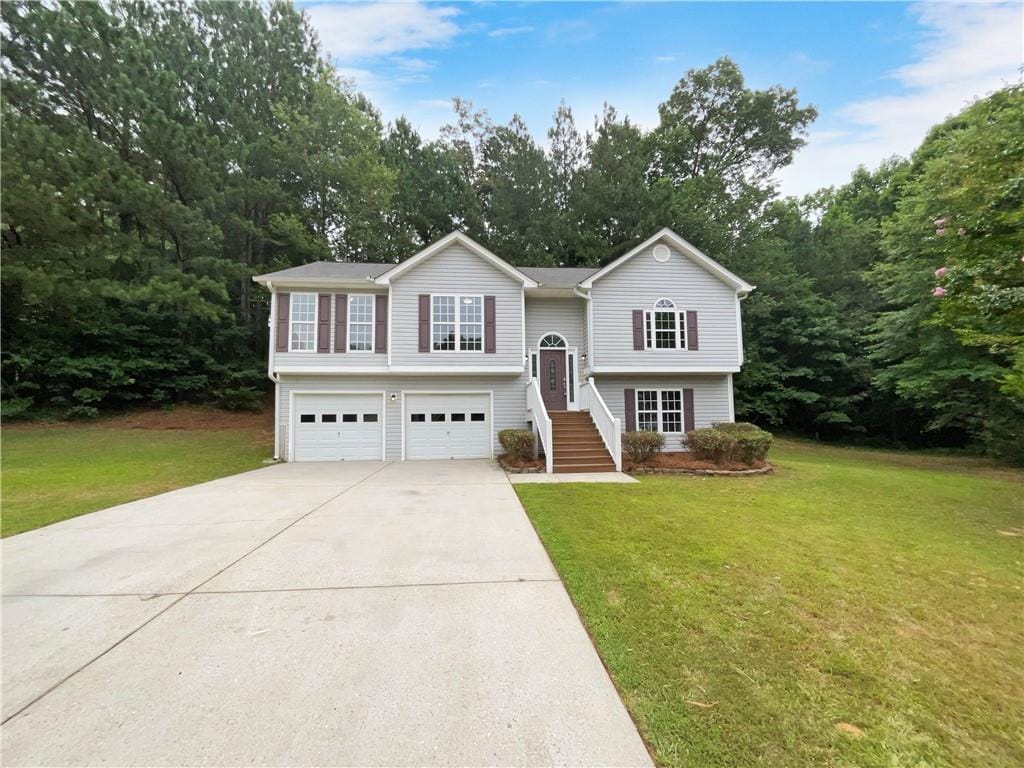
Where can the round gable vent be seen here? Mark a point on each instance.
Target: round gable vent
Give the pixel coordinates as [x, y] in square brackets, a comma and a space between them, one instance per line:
[661, 252]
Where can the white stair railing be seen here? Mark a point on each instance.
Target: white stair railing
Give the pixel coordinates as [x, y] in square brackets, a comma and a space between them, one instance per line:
[608, 426]
[541, 421]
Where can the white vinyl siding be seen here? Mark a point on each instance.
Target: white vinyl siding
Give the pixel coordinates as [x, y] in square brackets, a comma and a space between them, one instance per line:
[564, 316]
[456, 271]
[636, 285]
[302, 323]
[711, 397]
[509, 399]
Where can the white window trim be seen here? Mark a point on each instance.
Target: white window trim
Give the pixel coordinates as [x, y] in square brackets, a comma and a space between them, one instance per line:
[649, 330]
[682, 409]
[316, 322]
[458, 324]
[373, 324]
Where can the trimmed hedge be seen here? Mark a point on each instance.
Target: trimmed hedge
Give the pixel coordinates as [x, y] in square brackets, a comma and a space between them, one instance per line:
[518, 443]
[643, 446]
[730, 442]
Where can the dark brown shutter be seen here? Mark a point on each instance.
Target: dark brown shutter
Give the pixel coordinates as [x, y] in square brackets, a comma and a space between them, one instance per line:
[323, 323]
[638, 329]
[687, 410]
[341, 322]
[489, 325]
[630, 395]
[691, 330]
[424, 322]
[380, 324]
[283, 305]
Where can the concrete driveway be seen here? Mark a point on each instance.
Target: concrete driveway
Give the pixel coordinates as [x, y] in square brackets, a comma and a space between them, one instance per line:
[303, 614]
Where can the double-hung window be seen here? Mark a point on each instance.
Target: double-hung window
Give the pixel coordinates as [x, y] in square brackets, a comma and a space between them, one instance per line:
[302, 323]
[665, 326]
[360, 322]
[457, 323]
[659, 410]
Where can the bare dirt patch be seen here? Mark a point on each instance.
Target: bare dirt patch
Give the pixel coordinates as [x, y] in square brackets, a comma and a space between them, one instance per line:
[184, 417]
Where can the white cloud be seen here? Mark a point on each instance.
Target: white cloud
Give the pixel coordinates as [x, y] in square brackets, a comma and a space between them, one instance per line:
[369, 30]
[967, 52]
[506, 31]
[664, 59]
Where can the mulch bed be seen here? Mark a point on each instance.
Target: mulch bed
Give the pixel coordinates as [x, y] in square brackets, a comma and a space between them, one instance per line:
[517, 466]
[686, 464]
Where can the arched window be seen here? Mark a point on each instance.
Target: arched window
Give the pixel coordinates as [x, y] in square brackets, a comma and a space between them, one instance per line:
[552, 341]
[665, 326]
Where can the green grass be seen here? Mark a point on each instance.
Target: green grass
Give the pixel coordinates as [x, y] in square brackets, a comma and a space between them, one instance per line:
[875, 589]
[53, 473]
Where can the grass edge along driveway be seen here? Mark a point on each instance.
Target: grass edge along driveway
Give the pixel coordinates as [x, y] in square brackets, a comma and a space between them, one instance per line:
[856, 608]
[52, 473]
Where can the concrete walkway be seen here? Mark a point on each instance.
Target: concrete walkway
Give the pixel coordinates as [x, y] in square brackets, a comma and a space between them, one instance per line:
[303, 614]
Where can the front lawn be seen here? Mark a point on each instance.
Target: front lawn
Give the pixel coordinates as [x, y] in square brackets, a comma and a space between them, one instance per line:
[53, 472]
[856, 608]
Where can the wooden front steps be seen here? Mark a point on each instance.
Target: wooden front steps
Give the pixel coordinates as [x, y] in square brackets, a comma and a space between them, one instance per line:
[578, 446]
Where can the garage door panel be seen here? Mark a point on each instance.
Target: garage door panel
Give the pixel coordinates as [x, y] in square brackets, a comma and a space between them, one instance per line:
[448, 426]
[338, 427]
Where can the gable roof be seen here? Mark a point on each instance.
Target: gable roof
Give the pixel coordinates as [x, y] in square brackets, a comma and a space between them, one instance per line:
[466, 242]
[558, 277]
[688, 249]
[327, 270]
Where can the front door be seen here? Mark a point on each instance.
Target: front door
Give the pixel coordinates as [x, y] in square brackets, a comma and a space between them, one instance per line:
[552, 379]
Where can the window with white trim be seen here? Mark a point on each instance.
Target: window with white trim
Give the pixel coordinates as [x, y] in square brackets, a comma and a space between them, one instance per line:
[302, 323]
[457, 323]
[360, 322]
[665, 326]
[659, 410]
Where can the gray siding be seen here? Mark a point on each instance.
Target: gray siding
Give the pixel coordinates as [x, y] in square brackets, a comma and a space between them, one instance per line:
[641, 281]
[332, 359]
[509, 400]
[456, 270]
[564, 316]
[711, 397]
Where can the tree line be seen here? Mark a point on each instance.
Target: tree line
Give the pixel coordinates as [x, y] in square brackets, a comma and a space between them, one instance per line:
[156, 156]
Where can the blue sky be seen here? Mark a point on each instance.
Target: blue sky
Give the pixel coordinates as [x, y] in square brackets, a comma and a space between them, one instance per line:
[879, 73]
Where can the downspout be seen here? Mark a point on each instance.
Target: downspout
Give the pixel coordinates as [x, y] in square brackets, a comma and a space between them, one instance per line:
[270, 371]
[590, 331]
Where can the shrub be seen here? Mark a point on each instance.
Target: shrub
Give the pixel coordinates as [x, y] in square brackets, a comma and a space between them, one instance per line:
[735, 428]
[643, 446]
[711, 444]
[730, 442]
[752, 445]
[518, 443]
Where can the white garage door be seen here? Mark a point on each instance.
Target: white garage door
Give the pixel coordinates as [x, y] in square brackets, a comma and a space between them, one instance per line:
[449, 426]
[338, 427]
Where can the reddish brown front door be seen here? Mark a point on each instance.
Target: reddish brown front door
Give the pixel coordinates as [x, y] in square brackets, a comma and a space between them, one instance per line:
[552, 378]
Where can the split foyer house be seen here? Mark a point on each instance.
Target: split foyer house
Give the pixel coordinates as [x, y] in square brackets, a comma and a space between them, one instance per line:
[432, 357]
